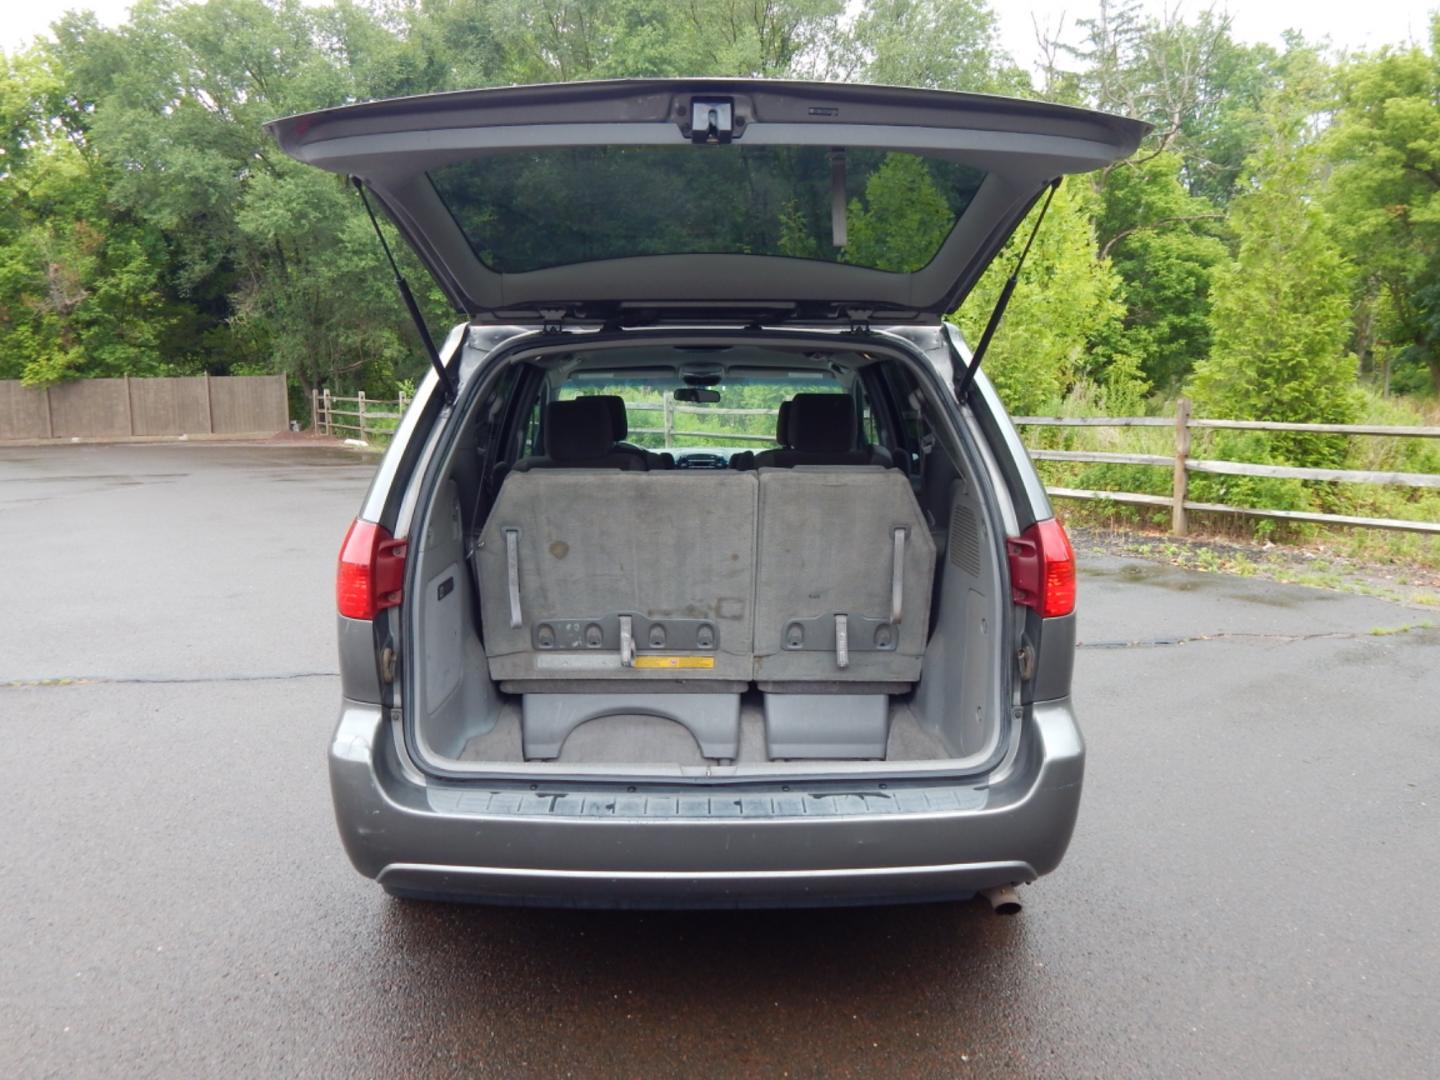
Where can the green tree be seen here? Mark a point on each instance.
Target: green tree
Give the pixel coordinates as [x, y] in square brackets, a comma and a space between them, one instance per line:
[1156, 69]
[940, 44]
[1385, 197]
[1163, 243]
[1159, 216]
[561, 40]
[81, 286]
[903, 219]
[274, 262]
[1064, 322]
[1281, 311]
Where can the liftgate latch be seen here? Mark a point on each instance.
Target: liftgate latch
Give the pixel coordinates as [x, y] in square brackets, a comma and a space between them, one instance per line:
[712, 120]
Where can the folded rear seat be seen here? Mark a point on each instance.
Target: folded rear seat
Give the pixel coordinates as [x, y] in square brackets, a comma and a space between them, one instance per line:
[611, 592]
[844, 567]
[845, 563]
[606, 592]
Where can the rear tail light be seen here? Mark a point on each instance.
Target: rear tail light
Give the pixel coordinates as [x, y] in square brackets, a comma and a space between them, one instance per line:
[371, 571]
[1042, 569]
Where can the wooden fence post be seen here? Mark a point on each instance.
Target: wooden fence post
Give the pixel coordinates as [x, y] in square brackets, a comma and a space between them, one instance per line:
[360, 410]
[1179, 523]
[669, 422]
[315, 410]
[325, 400]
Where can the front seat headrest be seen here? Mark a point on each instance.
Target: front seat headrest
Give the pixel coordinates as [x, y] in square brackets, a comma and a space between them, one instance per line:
[782, 425]
[619, 420]
[579, 430]
[822, 423]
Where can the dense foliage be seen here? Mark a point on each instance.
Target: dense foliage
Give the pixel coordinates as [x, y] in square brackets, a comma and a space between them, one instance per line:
[1274, 244]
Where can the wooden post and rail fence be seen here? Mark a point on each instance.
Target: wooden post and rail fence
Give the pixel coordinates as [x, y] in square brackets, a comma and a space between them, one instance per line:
[1182, 464]
[670, 409]
[363, 418]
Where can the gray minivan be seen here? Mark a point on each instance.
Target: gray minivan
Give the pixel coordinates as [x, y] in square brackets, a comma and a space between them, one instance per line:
[602, 641]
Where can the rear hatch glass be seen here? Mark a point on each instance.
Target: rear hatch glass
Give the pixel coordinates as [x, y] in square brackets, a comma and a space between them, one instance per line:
[523, 211]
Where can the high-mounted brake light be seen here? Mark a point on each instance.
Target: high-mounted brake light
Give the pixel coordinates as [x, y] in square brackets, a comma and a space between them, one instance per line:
[371, 571]
[1042, 569]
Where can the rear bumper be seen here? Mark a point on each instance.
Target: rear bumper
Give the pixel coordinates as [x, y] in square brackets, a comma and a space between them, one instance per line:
[717, 846]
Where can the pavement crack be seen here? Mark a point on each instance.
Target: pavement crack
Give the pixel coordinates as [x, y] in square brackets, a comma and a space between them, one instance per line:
[162, 680]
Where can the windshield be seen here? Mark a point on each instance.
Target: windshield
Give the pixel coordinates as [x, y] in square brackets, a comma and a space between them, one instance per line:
[743, 418]
[530, 210]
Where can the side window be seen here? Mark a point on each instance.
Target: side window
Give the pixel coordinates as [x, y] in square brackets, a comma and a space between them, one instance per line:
[912, 438]
[872, 425]
[867, 422]
[530, 440]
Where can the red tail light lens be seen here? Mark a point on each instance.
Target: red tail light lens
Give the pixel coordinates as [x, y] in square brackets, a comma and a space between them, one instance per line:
[1042, 569]
[371, 571]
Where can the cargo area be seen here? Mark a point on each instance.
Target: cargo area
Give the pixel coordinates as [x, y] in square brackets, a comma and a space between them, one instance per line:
[805, 574]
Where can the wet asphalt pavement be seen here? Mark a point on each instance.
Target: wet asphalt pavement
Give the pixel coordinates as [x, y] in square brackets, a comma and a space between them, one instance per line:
[1254, 886]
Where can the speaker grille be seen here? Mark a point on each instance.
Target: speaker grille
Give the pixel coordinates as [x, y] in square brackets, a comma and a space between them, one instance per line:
[964, 540]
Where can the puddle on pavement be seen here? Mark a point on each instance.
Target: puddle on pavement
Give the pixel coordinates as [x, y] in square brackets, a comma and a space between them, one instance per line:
[1278, 599]
[1148, 573]
[1248, 590]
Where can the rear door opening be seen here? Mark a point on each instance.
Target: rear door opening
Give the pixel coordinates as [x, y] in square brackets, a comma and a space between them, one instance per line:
[817, 577]
[807, 576]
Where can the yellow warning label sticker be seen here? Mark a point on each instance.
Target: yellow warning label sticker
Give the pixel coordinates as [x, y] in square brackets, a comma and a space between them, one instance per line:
[673, 662]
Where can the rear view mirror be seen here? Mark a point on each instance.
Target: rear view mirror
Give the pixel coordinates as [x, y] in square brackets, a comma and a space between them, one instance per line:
[696, 396]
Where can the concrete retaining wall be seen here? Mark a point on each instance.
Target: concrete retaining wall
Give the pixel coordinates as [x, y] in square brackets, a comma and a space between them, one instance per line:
[119, 408]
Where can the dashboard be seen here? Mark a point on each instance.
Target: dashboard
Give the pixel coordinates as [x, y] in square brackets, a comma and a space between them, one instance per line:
[702, 459]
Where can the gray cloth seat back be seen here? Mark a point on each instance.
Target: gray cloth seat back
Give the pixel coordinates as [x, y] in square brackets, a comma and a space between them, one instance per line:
[838, 597]
[570, 560]
[580, 434]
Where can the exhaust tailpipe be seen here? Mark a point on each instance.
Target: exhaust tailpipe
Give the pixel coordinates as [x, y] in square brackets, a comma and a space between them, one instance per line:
[1003, 900]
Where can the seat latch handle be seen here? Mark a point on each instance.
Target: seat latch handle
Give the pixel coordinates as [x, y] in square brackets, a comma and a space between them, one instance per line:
[512, 575]
[627, 642]
[897, 579]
